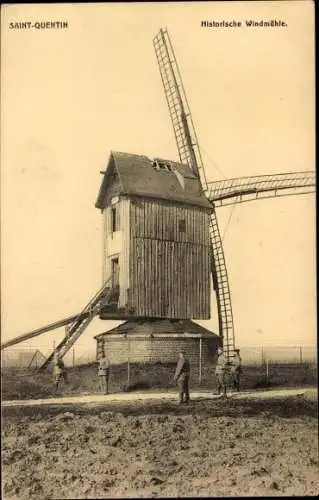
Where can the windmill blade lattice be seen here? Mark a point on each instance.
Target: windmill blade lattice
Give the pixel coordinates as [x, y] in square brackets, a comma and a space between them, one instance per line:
[184, 131]
[242, 189]
[222, 289]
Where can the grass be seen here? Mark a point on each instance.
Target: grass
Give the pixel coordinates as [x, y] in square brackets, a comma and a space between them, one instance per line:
[32, 384]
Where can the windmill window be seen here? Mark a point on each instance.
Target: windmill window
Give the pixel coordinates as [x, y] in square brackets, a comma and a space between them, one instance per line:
[113, 220]
[182, 225]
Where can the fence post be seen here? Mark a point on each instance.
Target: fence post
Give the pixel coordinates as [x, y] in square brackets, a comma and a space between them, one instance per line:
[73, 357]
[128, 362]
[300, 354]
[200, 359]
[267, 370]
[262, 356]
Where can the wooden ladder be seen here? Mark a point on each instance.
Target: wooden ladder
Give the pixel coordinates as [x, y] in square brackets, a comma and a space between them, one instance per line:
[76, 329]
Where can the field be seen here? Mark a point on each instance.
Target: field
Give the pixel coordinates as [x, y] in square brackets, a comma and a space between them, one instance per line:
[234, 447]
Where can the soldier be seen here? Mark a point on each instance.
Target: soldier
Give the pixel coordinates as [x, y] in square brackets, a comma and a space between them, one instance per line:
[103, 374]
[236, 370]
[59, 371]
[220, 371]
[182, 378]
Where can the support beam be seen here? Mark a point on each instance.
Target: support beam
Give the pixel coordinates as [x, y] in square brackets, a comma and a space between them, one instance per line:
[40, 331]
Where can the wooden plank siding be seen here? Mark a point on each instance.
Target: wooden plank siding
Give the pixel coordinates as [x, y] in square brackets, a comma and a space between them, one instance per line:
[163, 271]
[169, 268]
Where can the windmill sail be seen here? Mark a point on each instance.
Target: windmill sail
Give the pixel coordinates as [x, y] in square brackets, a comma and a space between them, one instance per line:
[189, 153]
[179, 110]
[241, 189]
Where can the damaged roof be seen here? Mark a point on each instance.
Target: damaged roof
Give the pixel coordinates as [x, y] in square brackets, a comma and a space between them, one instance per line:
[138, 176]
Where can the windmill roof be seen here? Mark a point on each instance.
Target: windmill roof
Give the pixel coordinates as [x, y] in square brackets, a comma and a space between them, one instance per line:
[158, 327]
[138, 177]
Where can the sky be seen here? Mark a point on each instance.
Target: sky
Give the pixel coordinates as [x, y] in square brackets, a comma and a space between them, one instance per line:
[70, 96]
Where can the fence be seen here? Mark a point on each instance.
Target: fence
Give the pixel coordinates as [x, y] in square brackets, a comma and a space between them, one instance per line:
[33, 358]
[79, 355]
[262, 367]
[278, 354]
[21, 358]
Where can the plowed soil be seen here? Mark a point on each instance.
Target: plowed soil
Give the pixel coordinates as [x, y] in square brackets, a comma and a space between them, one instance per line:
[148, 449]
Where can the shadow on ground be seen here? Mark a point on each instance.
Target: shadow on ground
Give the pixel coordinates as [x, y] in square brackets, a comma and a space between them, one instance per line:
[286, 407]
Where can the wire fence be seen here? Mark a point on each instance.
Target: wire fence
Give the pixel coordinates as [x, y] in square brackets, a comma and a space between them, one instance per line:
[262, 367]
[80, 355]
[34, 358]
[279, 354]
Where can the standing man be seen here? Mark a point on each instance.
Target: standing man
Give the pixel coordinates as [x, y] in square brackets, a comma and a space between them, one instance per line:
[103, 374]
[59, 371]
[236, 370]
[220, 371]
[182, 377]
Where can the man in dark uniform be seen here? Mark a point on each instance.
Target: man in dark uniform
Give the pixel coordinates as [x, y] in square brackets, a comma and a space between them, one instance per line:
[103, 374]
[182, 378]
[221, 372]
[236, 370]
[59, 371]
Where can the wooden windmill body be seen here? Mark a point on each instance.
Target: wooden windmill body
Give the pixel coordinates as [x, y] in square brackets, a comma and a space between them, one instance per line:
[156, 238]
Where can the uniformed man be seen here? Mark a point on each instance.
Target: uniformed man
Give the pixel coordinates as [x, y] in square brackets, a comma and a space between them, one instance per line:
[182, 377]
[59, 371]
[220, 371]
[236, 370]
[103, 374]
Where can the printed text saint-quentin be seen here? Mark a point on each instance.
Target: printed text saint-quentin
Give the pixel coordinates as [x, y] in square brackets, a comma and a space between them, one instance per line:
[38, 25]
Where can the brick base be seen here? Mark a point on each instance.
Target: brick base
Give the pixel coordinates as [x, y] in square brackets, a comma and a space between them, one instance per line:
[139, 349]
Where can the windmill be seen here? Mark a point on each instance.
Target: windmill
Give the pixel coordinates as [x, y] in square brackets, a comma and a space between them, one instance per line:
[158, 206]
